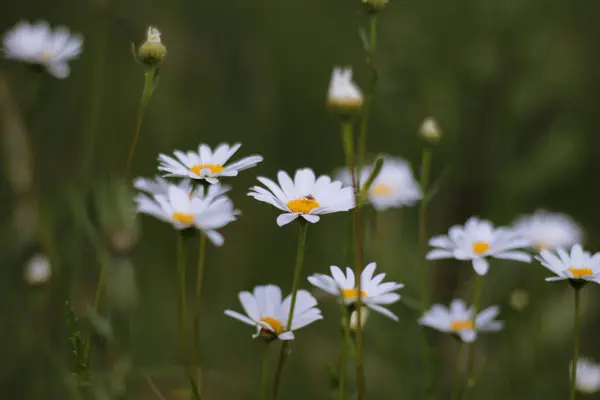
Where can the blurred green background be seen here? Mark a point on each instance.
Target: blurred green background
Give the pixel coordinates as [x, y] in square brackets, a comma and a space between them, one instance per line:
[514, 85]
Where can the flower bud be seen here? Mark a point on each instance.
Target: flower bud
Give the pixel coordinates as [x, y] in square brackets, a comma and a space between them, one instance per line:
[152, 52]
[344, 97]
[373, 6]
[519, 299]
[354, 323]
[430, 131]
[37, 270]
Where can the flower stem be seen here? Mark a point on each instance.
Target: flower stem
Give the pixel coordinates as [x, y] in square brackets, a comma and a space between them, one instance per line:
[296, 283]
[146, 95]
[364, 123]
[575, 343]
[264, 377]
[454, 393]
[348, 142]
[345, 345]
[198, 303]
[471, 349]
[182, 311]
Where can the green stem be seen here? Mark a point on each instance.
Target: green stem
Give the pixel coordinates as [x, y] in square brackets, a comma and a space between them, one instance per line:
[264, 377]
[345, 345]
[575, 343]
[198, 304]
[424, 183]
[295, 285]
[146, 95]
[364, 123]
[471, 349]
[456, 375]
[348, 142]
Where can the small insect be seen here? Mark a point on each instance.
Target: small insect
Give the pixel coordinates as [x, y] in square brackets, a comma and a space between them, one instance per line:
[309, 197]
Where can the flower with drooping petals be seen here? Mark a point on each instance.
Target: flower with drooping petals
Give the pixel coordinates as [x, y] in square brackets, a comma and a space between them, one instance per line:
[38, 44]
[344, 95]
[269, 314]
[548, 230]
[476, 241]
[579, 265]
[458, 319]
[205, 164]
[306, 196]
[374, 294]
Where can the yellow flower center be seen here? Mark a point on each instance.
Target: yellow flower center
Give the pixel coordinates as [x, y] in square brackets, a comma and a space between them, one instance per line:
[581, 272]
[381, 189]
[480, 247]
[456, 326]
[214, 168]
[304, 205]
[352, 294]
[541, 245]
[184, 218]
[47, 57]
[273, 323]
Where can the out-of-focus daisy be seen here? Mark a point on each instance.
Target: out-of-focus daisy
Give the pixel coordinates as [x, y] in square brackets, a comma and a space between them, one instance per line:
[587, 380]
[205, 164]
[205, 211]
[579, 265]
[458, 319]
[37, 270]
[38, 44]
[344, 95]
[306, 196]
[548, 230]
[393, 187]
[374, 294]
[477, 240]
[265, 310]
[159, 185]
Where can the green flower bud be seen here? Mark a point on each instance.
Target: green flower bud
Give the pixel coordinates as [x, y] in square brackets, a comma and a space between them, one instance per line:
[374, 6]
[152, 52]
[430, 131]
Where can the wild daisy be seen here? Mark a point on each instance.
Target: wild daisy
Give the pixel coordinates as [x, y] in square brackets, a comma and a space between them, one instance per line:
[306, 196]
[548, 230]
[265, 310]
[374, 294]
[477, 240]
[458, 319]
[344, 95]
[579, 265]
[393, 187]
[38, 44]
[587, 380]
[159, 185]
[205, 211]
[206, 164]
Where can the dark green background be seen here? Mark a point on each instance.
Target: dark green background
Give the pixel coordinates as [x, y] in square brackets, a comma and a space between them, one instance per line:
[514, 85]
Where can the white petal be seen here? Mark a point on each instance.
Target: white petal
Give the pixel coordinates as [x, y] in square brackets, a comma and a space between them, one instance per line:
[480, 265]
[240, 317]
[284, 219]
[59, 70]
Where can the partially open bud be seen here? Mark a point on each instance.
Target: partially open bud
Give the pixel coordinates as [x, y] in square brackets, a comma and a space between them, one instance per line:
[354, 323]
[374, 6]
[152, 52]
[37, 270]
[344, 97]
[430, 131]
[519, 299]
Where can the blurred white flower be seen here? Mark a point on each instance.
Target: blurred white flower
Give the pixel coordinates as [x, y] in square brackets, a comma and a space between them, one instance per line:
[477, 240]
[430, 131]
[374, 294]
[548, 230]
[38, 44]
[265, 310]
[354, 323]
[160, 185]
[207, 211]
[519, 299]
[306, 196]
[393, 187]
[458, 319]
[579, 265]
[205, 164]
[37, 270]
[344, 95]
[587, 380]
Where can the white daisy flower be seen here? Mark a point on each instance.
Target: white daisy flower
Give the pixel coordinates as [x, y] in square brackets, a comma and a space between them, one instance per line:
[579, 265]
[587, 380]
[458, 319]
[37, 270]
[306, 196]
[205, 164]
[344, 94]
[393, 187]
[549, 230]
[159, 185]
[477, 240]
[206, 211]
[373, 292]
[265, 310]
[38, 44]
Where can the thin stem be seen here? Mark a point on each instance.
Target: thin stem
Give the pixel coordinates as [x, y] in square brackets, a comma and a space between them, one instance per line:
[471, 349]
[456, 376]
[198, 303]
[424, 182]
[146, 95]
[348, 142]
[264, 376]
[575, 343]
[295, 285]
[345, 345]
[364, 123]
